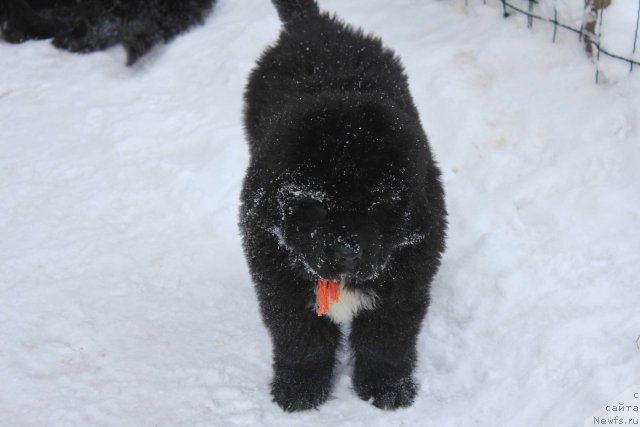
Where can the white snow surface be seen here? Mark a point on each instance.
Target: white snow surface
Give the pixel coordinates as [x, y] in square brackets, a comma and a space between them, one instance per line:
[125, 299]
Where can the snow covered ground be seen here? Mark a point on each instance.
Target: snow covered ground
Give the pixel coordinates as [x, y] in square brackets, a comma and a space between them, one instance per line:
[124, 295]
[615, 28]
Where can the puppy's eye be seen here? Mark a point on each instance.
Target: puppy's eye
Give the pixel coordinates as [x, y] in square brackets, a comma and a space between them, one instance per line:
[383, 208]
[386, 209]
[385, 201]
[315, 212]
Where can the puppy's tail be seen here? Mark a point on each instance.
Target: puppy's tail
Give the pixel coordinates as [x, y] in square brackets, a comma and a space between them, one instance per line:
[293, 11]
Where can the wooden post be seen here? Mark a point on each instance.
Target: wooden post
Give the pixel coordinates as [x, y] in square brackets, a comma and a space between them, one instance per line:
[590, 19]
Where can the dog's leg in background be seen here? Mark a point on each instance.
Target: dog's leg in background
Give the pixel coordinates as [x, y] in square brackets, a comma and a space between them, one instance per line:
[304, 355]
[93, 25]
[138, 25]
[384, 343]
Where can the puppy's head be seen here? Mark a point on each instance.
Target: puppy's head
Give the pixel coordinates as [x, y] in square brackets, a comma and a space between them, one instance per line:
[351, 189]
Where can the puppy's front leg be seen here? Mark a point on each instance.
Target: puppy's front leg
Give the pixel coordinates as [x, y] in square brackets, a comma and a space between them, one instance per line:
[304, 352]
[384, 343]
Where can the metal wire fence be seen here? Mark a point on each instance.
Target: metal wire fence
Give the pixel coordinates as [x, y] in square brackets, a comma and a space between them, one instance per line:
[593, 16]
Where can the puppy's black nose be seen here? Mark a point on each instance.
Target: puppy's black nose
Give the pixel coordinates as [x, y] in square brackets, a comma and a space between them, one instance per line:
[346, 253]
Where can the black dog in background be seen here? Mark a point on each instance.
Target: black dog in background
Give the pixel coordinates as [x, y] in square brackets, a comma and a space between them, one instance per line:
[341, 188]
[91, 25]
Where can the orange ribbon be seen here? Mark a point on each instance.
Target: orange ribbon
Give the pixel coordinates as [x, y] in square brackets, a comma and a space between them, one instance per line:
[327, 292]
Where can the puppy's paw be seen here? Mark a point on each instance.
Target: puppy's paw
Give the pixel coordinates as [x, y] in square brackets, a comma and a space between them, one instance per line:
[14, 34]
[387, 393]
[86, 36]
[299, 392]
[75, 39]
[21, 29]
[137, 44]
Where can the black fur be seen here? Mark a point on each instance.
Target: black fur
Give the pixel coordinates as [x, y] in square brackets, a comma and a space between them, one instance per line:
[341, 182]
[291, 11]
[91, 25]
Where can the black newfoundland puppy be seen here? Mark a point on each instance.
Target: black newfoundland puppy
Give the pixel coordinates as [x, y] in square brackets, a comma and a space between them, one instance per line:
[343, 213]
[92, 25]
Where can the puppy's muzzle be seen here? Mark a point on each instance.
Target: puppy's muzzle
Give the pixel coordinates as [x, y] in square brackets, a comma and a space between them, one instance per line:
[345, 255]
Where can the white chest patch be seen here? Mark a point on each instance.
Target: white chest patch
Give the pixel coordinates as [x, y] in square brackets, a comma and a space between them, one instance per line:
[350, 303]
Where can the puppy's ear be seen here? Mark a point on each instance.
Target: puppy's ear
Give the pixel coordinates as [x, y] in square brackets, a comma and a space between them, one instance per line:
[376, 117]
